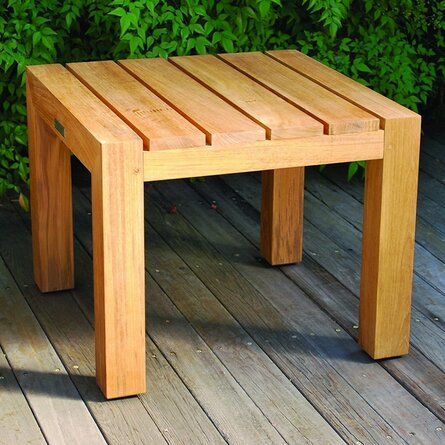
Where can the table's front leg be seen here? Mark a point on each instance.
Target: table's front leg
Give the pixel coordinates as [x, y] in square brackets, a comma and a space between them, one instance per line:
[51, 205]
[118, 258]
[388, 241]
[282, 215]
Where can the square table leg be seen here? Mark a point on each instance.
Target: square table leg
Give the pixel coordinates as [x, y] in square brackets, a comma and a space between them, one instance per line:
[51, 206]
[119, 273]
[388, 241]
[282, 215]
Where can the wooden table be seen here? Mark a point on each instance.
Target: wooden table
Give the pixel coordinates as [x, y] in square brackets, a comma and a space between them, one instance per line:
[154, 119]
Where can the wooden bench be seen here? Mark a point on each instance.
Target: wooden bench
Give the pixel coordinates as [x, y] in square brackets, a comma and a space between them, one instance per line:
[154, 119]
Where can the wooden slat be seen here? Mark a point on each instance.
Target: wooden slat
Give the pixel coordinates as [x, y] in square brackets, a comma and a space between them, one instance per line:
[167, 399]
[17, 423]
[49, 390]
[349, 389]
[158, 124]
[262, 155]
[414, 371]
[281, 119]
[88, 124]
[238, 419]
[279, 400]
[342, 85]
[338, 115]
[169, 404]
[221, 122]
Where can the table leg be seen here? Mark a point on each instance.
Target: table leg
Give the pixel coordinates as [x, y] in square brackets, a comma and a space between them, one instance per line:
[388, 241]
[51, 206]
[282, 215]
[118, 259]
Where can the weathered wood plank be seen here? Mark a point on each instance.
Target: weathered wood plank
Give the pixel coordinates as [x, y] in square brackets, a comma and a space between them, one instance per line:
[337, 114]
[432, 188]
[222, 123]
[17, 422]
[429, 280]
[233, 412]
[414, 371]
[428, 268]
[334, 194]
[429, 211]
[158, 124]
[73, 337]
[267, 322]
[167, 400]
[48, 388]
[342, 259]
[432, 146]
[278, 399]
[433, 166]
[280, 119]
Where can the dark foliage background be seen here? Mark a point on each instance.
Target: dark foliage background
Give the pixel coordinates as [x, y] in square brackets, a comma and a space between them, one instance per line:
[394, 46]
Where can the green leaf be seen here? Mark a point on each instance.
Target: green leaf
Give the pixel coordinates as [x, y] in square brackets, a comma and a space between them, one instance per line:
[352, 170]
[119, 12]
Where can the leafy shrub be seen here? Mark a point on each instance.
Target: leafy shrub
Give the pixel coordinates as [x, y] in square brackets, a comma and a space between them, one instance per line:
[393, 46]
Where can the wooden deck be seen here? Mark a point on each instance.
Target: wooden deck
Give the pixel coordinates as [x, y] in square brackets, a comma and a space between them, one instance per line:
[238, 352]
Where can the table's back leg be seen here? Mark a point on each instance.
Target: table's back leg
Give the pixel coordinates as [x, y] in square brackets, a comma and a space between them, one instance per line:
[51, 206]
[388, 241]
[118, 259]
[282, 215]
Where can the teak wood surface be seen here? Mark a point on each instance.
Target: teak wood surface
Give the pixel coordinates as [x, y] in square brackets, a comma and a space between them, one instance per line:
[155, 119]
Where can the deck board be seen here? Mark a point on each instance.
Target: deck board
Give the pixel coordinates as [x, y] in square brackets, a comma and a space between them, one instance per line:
[274, 315]
[297, 422]
[278, 361]
[17, 422]
[40, 372]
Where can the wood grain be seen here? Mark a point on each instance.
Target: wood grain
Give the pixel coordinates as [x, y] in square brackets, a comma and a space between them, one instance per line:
[262, 155]
[181, 348]
[167, 399]
[159, 125]
[263, 382]
[282, 215]
[327, 366]
[167, 406]
[87, 122]
[323, 277]
[280, 119]
[338, 115]
[388, 241]
[118, 236]
[342, 85]
[222, 123]
[50, 392]
[51, 205]
[17, 422]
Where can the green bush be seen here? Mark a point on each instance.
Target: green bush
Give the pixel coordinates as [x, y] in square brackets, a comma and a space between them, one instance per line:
[395, 47]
